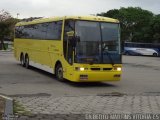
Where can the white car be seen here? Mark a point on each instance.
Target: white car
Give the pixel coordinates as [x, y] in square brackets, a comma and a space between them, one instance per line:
[141, 51]
[147, 51]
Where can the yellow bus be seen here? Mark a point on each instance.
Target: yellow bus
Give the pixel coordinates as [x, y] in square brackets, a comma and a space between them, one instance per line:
[75, 48]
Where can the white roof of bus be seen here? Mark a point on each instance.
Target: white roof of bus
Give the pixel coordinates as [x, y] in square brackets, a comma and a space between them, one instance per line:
[89, 18]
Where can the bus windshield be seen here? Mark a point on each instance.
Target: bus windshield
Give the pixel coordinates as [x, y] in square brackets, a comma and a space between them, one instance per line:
[99, 42]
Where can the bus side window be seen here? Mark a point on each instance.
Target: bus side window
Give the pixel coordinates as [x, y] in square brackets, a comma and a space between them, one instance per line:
[69, 26]
[54, 31]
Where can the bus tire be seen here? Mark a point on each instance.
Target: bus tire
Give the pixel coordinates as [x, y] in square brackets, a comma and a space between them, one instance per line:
[59, 72]
[22, 61]
[27, 61]
[155, 54]
[127, 53]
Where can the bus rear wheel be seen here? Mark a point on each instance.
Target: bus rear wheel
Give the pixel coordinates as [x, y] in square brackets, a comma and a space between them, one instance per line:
[22, 60]
[155, 54]
[27, 61]
[59, 72]
[127, 53]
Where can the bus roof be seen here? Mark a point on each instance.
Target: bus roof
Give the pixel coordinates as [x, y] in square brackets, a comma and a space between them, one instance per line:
[89, 18]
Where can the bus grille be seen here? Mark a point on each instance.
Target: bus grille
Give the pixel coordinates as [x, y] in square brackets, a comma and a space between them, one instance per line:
[95, 69]
[98, 69]
[107, 69]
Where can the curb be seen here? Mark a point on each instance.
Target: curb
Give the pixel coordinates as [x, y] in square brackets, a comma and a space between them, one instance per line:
[10, 50]
[8, 108]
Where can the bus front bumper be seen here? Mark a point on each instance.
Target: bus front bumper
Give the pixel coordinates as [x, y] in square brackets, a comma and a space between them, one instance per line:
[96, 76]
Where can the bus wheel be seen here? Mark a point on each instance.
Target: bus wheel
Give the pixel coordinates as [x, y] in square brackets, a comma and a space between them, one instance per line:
[22, 60]
[59, 72]
[127, 53]
[155, 54]
[27, 61]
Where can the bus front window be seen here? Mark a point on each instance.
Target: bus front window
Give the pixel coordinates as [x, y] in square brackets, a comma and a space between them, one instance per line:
[88, 48]
[99, 42]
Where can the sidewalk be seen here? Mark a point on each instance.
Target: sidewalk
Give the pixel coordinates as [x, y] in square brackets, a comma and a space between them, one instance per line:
[2, 105]
[8, 50]
[142, 61]
[49, 107]
[6, 106]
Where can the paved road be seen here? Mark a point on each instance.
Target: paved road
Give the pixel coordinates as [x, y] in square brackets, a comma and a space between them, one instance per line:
[141, 75]
[40, 93]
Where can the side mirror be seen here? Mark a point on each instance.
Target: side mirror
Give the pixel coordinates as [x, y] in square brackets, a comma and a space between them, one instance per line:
[73, 40]
[70, 33]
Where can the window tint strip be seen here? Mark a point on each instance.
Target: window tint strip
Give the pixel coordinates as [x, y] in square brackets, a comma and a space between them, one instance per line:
[42, 31]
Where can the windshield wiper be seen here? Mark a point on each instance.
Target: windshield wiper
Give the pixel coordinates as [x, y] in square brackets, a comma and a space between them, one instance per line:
[110, 58]
[109, 55]
[89, 60]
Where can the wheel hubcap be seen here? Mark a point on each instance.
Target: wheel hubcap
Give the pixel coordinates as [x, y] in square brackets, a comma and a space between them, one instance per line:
[22, 61]
[27, 61]
[60, 73]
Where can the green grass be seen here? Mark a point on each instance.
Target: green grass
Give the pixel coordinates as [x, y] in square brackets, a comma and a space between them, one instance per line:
[19, 109]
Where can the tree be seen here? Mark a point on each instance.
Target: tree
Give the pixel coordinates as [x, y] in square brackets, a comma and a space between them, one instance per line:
[6, 26]
[111, 13]
[155, 26]
[134, 22]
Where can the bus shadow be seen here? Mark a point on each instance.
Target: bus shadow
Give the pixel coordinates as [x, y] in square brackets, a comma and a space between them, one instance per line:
[40, 71]
[89, 84]
[70, 83]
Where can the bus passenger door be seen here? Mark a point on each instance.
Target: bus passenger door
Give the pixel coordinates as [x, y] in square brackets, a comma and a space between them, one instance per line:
[67, 45]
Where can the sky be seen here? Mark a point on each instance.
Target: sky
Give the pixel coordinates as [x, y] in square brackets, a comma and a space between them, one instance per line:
[51, 8]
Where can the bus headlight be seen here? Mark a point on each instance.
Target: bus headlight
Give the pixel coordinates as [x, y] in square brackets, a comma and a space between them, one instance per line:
[80, 68]
[119, 68]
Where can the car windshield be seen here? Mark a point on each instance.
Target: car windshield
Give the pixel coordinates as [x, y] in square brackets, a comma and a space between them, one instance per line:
[99, 42]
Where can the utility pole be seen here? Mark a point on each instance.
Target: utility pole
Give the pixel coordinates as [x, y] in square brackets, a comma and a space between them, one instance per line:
[17, 15]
